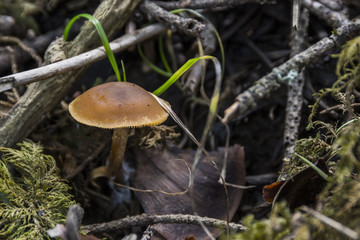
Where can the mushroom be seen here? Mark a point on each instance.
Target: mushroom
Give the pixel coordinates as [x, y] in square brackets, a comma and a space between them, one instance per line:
[118, 106]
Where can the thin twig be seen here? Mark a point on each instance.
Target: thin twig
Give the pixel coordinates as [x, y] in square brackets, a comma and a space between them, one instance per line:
[296, 14]
[80, 60]
[29, 50]
[272, 80]
[89, 159]
[263, 58]
[337, 107]
[144, 220]
[39, 44]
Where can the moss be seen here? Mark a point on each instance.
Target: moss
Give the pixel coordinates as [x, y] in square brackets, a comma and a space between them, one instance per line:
[348, 72]
[276, 227]
[33, 197]
[310, 148]
[341, 206]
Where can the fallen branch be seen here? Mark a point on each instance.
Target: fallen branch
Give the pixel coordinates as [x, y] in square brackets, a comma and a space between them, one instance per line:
[145, 220]
[80, 60]
[272, 80]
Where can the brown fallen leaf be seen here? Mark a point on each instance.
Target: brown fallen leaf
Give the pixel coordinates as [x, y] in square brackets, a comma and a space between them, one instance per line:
[165, 171]
[301, 189]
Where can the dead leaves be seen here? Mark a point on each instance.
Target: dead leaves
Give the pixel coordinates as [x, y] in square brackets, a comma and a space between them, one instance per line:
[164, 171]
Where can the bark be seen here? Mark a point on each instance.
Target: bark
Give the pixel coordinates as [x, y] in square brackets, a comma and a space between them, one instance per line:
[144, 220]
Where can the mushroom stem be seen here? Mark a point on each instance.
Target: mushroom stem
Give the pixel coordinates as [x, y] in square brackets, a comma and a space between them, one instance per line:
[117, 152]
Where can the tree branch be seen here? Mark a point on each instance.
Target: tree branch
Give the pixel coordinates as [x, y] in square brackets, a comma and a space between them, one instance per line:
[272, 80]
[79, 61]
[144, 220]
[187, 25]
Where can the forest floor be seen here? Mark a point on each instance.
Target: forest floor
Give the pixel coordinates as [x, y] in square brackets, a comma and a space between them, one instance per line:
[274, 108]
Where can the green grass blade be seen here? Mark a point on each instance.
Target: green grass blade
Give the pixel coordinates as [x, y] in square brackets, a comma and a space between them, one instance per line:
[178, 74]
[313, 166]
[345, 124]
[103, 38]
[214, 101]
[162, 55]
[195, 13]
[123, 69]
[150, 64]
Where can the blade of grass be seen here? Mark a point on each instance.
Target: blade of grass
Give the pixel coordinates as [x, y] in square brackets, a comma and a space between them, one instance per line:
[212, 113]
[150, 64]
[173, 115]
[313, 166]
[345, 124]
[103, 38]
[178, 74]
[162, 55]
[123, 69]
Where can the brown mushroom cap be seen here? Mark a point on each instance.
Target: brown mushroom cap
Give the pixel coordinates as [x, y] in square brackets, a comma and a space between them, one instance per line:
[116, 105]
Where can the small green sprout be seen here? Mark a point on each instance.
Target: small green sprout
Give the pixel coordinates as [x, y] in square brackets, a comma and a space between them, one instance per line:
[345, 124]
[103, 38]
[313, 166]
[151, 65]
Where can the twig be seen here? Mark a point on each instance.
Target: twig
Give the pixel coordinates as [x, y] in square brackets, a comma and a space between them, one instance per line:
[88, 160]
[263, 58]
[145, 220]
[295, 14]
[27, 49]
[14, 66]
[337, 107]
[204, 3]
[332, 223]
[187, 25]
[80, 60]
[334, 19]
[272, 80]
[295, 88]
[39, 44]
